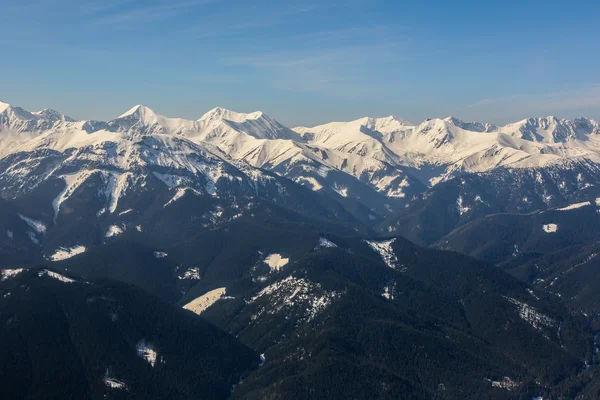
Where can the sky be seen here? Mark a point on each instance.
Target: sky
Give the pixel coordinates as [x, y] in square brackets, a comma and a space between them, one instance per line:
[303, 62]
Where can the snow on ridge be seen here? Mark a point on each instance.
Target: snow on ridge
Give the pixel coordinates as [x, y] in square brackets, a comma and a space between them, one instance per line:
[575, 206]
[179, 194]
[200, 304]
[9, 273]
[55, 275]
[275, 261]
[290, 292]
[170, 181]
[63, 253]
[385, 251]
[550, 228]
[38, 226]
[160, 254]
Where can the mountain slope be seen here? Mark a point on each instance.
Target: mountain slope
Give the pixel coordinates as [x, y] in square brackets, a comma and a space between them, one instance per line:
[110, 341]
[426, 325]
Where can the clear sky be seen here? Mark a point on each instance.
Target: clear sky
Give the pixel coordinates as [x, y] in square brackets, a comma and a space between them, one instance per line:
[303, 62]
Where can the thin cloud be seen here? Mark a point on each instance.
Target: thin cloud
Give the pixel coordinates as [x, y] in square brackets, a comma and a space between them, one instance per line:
[149, 13]
[588, 96]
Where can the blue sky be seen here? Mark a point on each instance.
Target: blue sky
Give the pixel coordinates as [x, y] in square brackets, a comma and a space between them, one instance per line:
[303, 62]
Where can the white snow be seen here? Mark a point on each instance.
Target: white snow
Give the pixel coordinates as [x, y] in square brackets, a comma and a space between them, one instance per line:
[462, 209]
[574, 206]
[532, 316]
[38, 226]
[341, 190]
[550, 228]
[146, 351]
[63, 253]
[179, 194]
[307, 297]
[275, 261]
[10, 234]
[324, 242]
[506, 383]
[160, 254]
[191, 274]
[113, 230]
[389, 291]
[56, 276]
[200, 153]
[385, 251]
[113, 383]
[9, 273]
[199, 304]
[309, 181]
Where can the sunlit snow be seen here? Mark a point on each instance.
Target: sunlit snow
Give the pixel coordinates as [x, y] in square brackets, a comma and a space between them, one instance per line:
[63, 253]
[275, 261]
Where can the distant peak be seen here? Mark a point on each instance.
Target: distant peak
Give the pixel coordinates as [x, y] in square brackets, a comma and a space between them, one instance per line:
[3, 106]
[471, 126]
[223, 113]
[137, 109]
[52, 115]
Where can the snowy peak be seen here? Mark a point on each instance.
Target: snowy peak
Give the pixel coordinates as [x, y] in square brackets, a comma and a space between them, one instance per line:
[3, 106]
[142, 120]
[222, 122]
[552, 130]
[219, 113]
[472, 126]
[52, 115]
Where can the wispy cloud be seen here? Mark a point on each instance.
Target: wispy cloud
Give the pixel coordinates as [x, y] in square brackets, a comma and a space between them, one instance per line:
[340, 71]
[583, 97]
[565, 103]
[128, 17]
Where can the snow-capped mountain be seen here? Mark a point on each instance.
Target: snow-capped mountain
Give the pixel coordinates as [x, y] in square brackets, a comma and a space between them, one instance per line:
[371, 165]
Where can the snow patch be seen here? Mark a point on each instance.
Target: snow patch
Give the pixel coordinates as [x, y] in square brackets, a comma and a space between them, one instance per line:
[290, 292]
[532, 316]
[10, 234]
[461, 208]
[574, 206]
[385, 251]
[63, 253]
[341, 190]
[9, 273]
[113, 230]
[324, 242]
[146, 351]
[160, 254]
[309, 181]
[275, 261]
[38, 226]
[550, 228]
[506, 383]
[191, 274]
[113, 383]
[55, 275]
[201, 303]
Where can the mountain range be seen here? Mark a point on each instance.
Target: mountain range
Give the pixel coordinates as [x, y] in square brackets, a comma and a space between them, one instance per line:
[332, 251]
